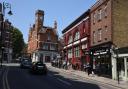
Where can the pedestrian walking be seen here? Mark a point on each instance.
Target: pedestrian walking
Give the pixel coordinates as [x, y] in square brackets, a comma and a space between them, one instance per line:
[88, 67]
[84, 66]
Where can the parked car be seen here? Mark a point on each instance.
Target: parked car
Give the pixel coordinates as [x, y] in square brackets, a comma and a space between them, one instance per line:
[25, 63]
[39, 67]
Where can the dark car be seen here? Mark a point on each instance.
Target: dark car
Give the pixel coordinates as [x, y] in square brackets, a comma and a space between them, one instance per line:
[25, 63]
[39, 67]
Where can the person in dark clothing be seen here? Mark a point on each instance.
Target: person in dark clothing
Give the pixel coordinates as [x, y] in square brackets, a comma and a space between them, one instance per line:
[89, 69]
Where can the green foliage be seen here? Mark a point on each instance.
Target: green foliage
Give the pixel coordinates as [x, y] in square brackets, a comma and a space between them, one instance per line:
[17, 42]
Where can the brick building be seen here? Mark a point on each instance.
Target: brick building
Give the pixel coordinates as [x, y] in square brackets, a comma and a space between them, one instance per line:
[43, 40]
[108, 32]
[77, 41]
[6, 41]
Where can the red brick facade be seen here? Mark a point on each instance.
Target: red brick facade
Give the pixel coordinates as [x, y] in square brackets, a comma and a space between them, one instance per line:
[77, 41]
[43, 40]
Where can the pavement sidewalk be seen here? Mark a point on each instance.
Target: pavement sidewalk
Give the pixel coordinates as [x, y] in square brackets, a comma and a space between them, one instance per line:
[103, 80]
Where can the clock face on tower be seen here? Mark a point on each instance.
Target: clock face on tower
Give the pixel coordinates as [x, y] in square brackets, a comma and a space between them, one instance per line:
[41, 18]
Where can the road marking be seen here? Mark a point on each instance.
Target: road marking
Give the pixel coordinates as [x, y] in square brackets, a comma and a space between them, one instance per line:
[5, 79]
[65, 82]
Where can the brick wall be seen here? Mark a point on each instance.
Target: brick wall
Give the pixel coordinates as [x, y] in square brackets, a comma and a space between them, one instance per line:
[120, 23]
[104, 23]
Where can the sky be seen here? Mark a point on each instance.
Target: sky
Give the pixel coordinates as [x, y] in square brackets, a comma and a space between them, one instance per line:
[63, 11]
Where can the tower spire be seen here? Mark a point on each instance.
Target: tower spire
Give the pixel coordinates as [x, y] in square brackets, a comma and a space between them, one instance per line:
[55, 26]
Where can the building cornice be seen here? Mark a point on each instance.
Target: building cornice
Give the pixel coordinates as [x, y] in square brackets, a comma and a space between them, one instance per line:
[75, 23]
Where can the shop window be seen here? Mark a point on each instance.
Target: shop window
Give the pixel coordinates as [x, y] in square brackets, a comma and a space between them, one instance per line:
[84, 45]
[70, 53]
[120, 64]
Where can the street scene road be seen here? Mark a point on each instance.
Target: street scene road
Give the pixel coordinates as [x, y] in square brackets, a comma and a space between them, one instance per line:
[43, 46]
[16, 78]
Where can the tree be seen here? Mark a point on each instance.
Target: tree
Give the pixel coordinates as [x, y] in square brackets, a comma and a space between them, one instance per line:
[18, 43]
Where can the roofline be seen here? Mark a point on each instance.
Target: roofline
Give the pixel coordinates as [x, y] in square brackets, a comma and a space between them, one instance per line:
[85, 14]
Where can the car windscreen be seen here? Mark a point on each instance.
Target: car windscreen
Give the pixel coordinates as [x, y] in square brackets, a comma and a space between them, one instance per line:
[40, 64]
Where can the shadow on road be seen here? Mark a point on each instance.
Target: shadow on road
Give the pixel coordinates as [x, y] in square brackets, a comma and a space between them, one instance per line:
[73, 82]
[22, 79]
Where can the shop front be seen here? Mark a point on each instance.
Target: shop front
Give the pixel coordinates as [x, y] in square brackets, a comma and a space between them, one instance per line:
[123, 67]
[120, 67]
[101, 58]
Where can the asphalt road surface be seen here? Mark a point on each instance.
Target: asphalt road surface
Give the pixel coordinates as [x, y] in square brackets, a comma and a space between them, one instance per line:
[16, 78]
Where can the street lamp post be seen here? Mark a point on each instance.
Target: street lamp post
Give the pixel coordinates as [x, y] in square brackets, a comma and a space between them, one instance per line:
[3, 6]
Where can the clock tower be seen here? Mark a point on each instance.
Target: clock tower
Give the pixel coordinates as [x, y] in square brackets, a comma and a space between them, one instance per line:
[39, 19]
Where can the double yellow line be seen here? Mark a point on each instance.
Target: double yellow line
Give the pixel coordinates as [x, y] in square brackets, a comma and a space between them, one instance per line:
[5, 79]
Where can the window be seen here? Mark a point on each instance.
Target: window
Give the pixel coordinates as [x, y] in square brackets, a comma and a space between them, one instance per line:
[77, 36]
[77, 51]
[70, 39]
[52, 47]
[100, 35]
[94, 18]
[105, 11]
[99, 15]
[84, 25]
[106, 31]
[94, 36]
[7, 35]
[70, 53]
[45, 46]
[84, 45]
[84, 30]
